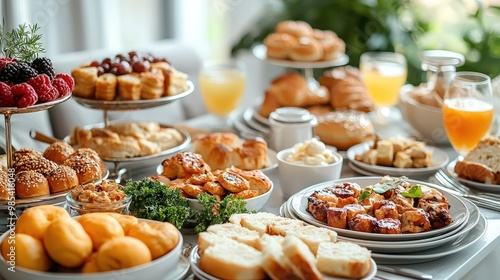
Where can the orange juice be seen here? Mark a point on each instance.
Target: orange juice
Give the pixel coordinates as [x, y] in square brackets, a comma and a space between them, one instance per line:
[466, 121]
[383, 81]
[222, 90]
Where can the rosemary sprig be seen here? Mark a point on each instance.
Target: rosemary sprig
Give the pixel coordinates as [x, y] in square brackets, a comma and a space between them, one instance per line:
[21, 43]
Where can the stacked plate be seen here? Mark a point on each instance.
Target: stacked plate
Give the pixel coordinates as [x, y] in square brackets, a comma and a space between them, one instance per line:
[249, 122]
[439, 160]
[468, 226]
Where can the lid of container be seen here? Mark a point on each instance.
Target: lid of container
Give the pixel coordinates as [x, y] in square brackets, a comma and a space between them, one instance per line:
[442, 57]
[291, 115]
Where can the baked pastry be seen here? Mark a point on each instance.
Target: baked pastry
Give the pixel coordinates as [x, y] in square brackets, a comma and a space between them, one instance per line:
[347, 89]
[333, 47]
[29, 252]
[344, 129]
[87, 169]
[67, 243]
[101, 228]
[31, 183]
[62, 179]
[34, 220]
[343, 259]
[295, 28]
[122, 252]
[278, 45]
[58, 152]
[129, 87]
[152, 84]
[126, 221]
[30, 160]
[291, 90]
[184, 165]
[105, 87]
[85, 81]
[482, 164]
[4, 186]
[160, 238]
[306, 49]
[174, 80]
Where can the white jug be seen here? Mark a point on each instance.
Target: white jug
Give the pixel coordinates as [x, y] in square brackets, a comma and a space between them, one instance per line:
[289, 126]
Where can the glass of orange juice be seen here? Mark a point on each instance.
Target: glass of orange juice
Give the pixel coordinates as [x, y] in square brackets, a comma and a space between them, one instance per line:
[384, 73]
[467, 110]
[222, 84]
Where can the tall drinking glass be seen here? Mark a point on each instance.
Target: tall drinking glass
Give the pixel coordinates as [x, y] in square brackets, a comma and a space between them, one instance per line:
[384, 74]
[222, 85]
[467, 110]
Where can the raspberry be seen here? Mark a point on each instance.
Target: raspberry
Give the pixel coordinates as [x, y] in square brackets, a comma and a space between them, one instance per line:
[68, 79]
[50, 95]
[41, 84]
[61, 86]
[26, 93]
[7, 99]
[4, 61]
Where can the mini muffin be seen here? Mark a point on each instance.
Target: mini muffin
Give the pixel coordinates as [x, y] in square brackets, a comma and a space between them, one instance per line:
[101, 228]
[160, 238]
[62, 179]
[31, 184]
[34, 220]
[58, 152]
[122, 252]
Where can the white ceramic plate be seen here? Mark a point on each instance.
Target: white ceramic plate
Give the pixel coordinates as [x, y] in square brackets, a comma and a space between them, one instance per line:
[251, 122]
[458, 209]
[428, 255]
[256, 116]
[236, 121]
[439, 160]
[260, 51]
[477, 185]
[194, 259]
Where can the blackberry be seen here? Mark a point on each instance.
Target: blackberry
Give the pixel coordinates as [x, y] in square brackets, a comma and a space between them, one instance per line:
[9, 72]
[25, 72]
[44, 66]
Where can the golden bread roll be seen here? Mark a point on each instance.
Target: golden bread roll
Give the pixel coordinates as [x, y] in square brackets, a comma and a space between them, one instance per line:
[160, 238]
[122, 252]
[344, 129]
[85, 81]
[4, 186]
[62, 179]
[101, 228]
[30, 160]
[105, 87]
[87, 169]
[27, 251]
[89, 153]
[67, 243]
[129, 87]
[34, 220]
[184, 165]
[31, 184]
[333, 47]
[291, 90]
[295, 28]
[58, 152]
[306, 49]
[90, 265]
[278, 45]
[203, 144]
[126, 221]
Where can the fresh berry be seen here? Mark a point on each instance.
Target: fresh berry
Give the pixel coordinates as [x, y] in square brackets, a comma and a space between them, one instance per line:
[17, 73]
[44, 66]
[26, 94]
[61, 86]
[4, 61]
[7, 99]
[9, 72]
[50, 95]
[41, 84]
[68, 79]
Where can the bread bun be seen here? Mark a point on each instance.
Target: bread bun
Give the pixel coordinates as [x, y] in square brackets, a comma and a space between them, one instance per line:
[62, 179]
[122, 252]
[306, 49]
[343, 259]
[58, 152]
[279, 44]
[31, 184]
[126, 221]
[4, 186]
[30, 160]
[291, 90]
[67, 243]
[295, 28]
[29, 252]
[344, 129]
[34, 220]
[90, 265]
[160, 238]
[87, 169]
[333, 47]
[101, 228]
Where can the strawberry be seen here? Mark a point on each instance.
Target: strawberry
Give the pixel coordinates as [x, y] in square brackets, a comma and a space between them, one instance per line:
[41, 84]
[61, 86]
[7, 99]
[26, 94]
[68, 79]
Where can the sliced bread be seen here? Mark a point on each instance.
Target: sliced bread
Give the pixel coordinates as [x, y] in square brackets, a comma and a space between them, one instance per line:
[301, 259]
[482, 164]
[236, 232]
[343, 259]
[312, 236]
[274, 262]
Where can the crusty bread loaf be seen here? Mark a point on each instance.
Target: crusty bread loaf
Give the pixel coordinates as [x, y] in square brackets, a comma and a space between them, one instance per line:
[232, 260]
[343, 259]
[301, 259]
[482, 164]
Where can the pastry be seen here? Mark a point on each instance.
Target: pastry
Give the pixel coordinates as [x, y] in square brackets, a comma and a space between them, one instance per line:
[333, 47]
[4, 186]
[184, 165]
[122, 252]
[174, 80]
[105, 87]
[101, 228]
[29, 252]
[306, 49]
[278, 45]
[62, 179]
[31, 184]
[152, 84]
[129, 87]
[269, 105]
[85, 81]
[87, 169]
[58, 152]
[295, 28]
[160, 238]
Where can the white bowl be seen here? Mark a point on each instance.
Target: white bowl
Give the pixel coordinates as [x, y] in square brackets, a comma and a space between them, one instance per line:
[156, 269]
[253, 204]
[294, 177]
[426, 120]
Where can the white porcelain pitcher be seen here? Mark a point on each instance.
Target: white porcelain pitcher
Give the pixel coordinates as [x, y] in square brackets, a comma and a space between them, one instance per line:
[289, 126]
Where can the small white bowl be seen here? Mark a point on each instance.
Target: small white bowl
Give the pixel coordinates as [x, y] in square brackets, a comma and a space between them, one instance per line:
[294, 176]
[156, 269]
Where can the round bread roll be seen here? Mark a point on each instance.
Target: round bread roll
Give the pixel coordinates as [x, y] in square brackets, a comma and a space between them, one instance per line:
[90, 265]
[101, 228]
[31, 184]
[344, 129]
[333, 46]
[296, 28]
[160, 238]
[28, 159]
[28, 252]
[126, 221]
[87, 169]
[62, 179]
[90, 153]
[122, 252]
[34, 220]
[4, 186]
[67, 243]
[58, 152]
[306, 49]
[279, 44]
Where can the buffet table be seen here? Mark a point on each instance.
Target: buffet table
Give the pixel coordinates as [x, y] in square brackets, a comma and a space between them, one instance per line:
[455, 266]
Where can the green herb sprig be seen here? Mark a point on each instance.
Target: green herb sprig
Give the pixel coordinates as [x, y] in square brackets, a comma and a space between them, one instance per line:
[21, 43]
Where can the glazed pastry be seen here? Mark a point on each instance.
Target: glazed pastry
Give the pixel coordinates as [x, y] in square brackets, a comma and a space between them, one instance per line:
[106, 87]
[85, 81]
[129, 87]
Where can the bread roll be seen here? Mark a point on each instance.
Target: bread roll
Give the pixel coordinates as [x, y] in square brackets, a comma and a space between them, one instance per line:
[160, 238]
[34, 220]
[126, 221]
[31, 184]
[28, 250]
[278, 45]
[101, 228]
[344, 129]
[291, 90]
[122, 252]
[333, 46]
[30, 160]
[87, 169]
[85, 81]
[90, 265]
[58, 152]
[62, 179]
[295, 28]
[306, 49]
[106, 87]
[269, 105]
[4, 186]
[343, 259]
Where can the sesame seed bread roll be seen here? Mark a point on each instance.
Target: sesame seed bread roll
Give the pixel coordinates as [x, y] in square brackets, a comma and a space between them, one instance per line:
[58, 152]
[31, 184]
[62, 179]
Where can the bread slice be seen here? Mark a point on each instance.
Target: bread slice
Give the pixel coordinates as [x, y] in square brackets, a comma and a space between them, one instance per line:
[274, 262]
[482, 164]
[258, 221]
[232, 260]
[301, 259]
[312, 236]
[343, 259]
[280, 227]
[207, 239]
[236, 232]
